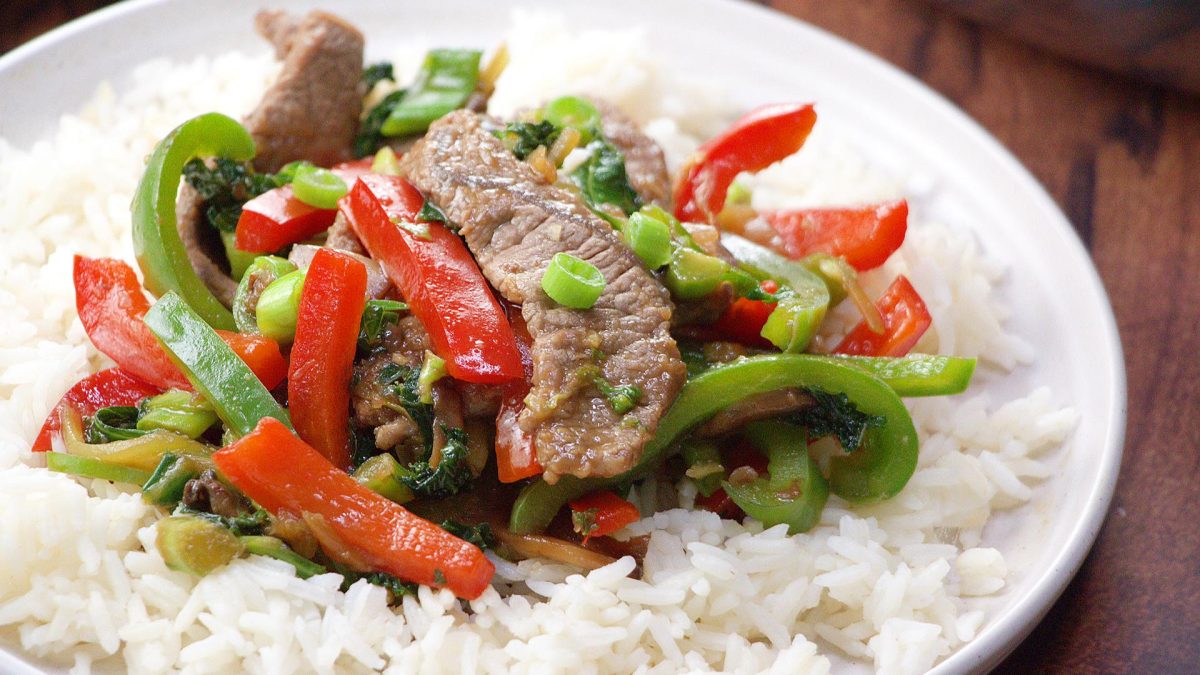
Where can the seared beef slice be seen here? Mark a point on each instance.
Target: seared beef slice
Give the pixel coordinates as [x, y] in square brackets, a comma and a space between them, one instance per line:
[514, 222]
[312, 110]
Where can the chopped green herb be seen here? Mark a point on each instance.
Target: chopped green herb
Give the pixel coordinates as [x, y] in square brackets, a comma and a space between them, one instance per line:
[114, 423]
[405, 383]
[225, 187]
[430, 213]
[525, 137]
[693, 358]
[451, 476]
[835, 415]
[376, 73]
[621, 398]
[377, 316]
[396, 588]
[370, 132]
[439, 577]
[603, 180]
[480, 535]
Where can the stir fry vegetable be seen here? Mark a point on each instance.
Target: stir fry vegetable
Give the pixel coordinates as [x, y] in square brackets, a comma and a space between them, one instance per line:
[238, 397]
[865, 237]
[756, 140]
[446, 79]
[111, 305]
[282, 473]
[323, 353]
[110, 387]
[572, 282]
[160, 251]
[793, 491]
[905, 320]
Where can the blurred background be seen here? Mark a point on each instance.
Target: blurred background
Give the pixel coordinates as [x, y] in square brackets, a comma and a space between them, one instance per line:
[1155, 41]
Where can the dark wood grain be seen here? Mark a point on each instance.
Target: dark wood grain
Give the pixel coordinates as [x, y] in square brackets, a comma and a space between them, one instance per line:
[1123, 160]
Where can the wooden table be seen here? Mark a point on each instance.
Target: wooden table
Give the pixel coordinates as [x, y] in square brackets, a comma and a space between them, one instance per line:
[1123, 161]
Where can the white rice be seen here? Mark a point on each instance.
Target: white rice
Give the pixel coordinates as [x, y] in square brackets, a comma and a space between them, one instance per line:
[896, 585]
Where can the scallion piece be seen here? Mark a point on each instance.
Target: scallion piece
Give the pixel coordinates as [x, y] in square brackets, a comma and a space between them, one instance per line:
[692, 274]
[574, 112]
[432, 370]
[649, 238]
[572, 282]
[318, 187]
[272, 547]
[180, 411]
[87, 467]
[278, 306]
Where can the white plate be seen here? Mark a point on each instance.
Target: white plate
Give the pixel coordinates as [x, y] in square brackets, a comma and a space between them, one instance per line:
[758, 56]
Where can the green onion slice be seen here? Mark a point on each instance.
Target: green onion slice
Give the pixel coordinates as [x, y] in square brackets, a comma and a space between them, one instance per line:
[575, 112]
[572, 282]
[318, 187]
[649, 238]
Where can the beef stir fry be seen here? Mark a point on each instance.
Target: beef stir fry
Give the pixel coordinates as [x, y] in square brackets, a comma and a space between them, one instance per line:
[389, 335]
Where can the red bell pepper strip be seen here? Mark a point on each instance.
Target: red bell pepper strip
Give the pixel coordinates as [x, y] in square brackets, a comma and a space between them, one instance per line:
[261, 353]
[277, 218]
[758, 139]
[905, 320]
[438, 278]
[866, 236]
[743, 321]
[109, 387]
[322, 359]
[111, 304]
[284, 474]
[516, 454]
[601, 513]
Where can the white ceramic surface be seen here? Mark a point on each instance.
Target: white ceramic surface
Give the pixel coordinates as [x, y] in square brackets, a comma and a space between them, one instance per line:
[758, 56]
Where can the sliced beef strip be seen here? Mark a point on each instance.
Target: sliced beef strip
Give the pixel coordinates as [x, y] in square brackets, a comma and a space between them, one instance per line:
[644, 162]
[312, 110]
[514, 222]
[203, 245]
[759, 407]
[374, 405]
[341, 237]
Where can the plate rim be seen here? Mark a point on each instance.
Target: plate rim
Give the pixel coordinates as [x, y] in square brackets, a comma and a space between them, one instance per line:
[998, 639]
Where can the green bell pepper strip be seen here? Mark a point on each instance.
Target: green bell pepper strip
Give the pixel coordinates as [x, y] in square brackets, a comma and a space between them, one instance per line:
[876, 471]
[803, 296]
[156, 243]
[918, 374]
[271, 547]
[268, 267]
[88, 467]
[237, 396]
[446, 79]
[794, 491]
